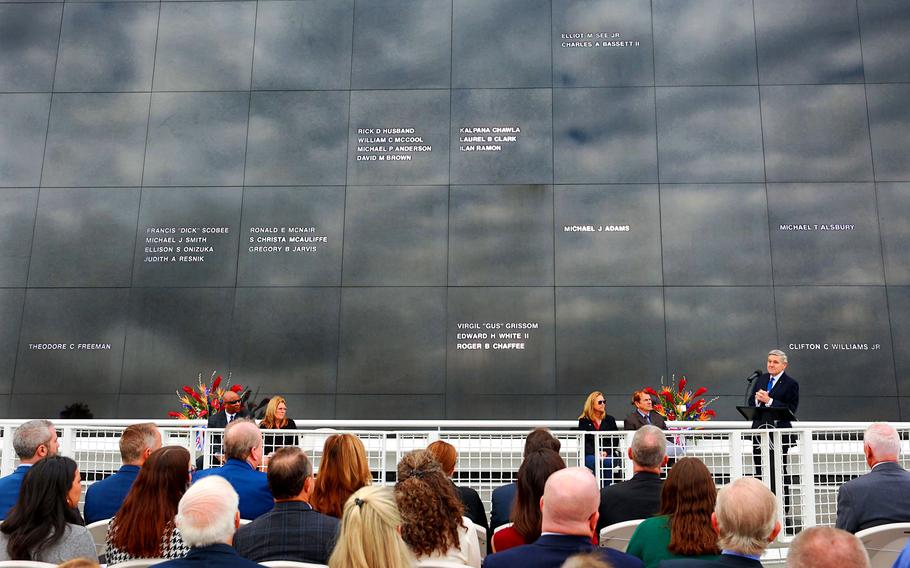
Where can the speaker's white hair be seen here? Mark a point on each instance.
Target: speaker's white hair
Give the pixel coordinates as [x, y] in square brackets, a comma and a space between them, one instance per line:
[206, 512]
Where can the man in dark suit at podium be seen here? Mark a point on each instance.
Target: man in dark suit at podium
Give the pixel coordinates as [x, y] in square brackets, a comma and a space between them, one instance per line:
[774, 389]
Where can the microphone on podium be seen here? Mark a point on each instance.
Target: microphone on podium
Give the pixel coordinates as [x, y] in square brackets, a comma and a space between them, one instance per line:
[753, 376]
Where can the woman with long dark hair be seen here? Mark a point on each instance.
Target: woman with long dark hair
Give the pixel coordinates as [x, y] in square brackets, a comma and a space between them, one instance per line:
[144, 525]
[44, 524]
[682, 528]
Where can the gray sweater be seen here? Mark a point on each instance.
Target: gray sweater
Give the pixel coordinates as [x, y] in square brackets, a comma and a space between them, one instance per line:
[76, 543]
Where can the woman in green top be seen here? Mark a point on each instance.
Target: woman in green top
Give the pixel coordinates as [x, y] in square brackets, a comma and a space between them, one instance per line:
[682, 528]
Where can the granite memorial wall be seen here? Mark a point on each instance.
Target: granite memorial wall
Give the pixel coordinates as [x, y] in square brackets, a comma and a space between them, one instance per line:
[453, 208]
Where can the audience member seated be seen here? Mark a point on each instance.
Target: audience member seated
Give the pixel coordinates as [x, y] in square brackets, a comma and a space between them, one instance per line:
[639, 497]
[594, 418]
[370, 536]
[344, 469]
[746, 521]
[32, 441]
[44, 524]
[433, 524]
[80, 563]
[207, 517]
[292, 530]
[232, 409]
[446, 455]
[643, 414]
[243, 450]
[144, 525]
[532, 477]
[276, 418]
[683, 527]
[881, 496]
[824, 547]
[589, 560]
[104, 497]
[503, 499]
[569, 507]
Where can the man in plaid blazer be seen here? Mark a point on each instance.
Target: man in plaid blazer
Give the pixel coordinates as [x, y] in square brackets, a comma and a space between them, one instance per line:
[292, 530]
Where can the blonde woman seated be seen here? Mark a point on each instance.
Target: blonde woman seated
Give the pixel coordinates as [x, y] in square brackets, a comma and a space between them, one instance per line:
[276, 418]
[432, 514]
[369, 536]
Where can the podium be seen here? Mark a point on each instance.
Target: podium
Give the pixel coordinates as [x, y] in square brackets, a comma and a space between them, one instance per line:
[767, 416]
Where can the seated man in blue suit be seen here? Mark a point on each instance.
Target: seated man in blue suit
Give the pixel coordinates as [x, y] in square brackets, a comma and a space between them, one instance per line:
[103, 498]
[32, 441]
[207, 518]
[243, 450]
[568, 517]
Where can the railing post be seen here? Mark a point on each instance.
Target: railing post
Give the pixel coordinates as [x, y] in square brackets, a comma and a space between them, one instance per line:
[807, 479]
[736, 455]
[66, 441]
[598, 474]
[8, 459]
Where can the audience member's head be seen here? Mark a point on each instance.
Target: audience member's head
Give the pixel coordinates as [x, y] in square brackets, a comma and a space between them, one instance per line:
[290, 475]
[137, 443]
[275, 414]
[47, 502]
[445, 454]
[369, 536]
[595, 407]
[590, 560]
[243, 441]
[34, 440]
[823, 547]
[207, 513]
[881, 443]
[745, 516]
[80, 563]
[649, 449]
[536, 468]
[344, 469]
[540, 438]
[688, 498]
[149, 508]
[570, 501]
[430, 508]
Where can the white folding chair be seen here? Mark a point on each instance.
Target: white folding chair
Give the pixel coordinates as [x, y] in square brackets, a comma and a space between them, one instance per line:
[884, 543]
[25, 564]
[618, 535]
[291, 564]
[98, 530]
[138, 563]
[481, 539]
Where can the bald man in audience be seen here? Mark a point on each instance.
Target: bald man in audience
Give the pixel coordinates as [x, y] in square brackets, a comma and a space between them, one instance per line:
[824, 547]
[569, 516]
[639, 497]
[881, 496]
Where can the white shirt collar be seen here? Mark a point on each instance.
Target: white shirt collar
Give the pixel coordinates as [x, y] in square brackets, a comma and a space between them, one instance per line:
[777, 376]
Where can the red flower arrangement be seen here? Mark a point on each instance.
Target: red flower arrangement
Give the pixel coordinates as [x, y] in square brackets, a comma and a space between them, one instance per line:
[680, 404]
[205, 399]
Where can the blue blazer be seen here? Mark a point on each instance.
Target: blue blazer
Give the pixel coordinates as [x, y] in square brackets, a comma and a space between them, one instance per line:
[9, 489]
[103, 498]
[552, 550]
[252, 486]
[501, 509]
[211, 556]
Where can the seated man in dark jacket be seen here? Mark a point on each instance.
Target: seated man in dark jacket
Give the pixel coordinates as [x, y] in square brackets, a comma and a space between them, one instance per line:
[639, 497]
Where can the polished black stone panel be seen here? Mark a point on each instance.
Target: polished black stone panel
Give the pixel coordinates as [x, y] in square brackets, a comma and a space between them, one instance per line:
[481, 156]
[93, 248]
[307, 221]
[735, 217]
[303, 45]
[519, 360]
[889, 119]
[709, 135]
[142, 406]
[173, 335]
[107, 47]
[23, 128]
[883, 25]
[398, 138]
[392, 341]
[609, 337]
[851, 407]
[894, 210]
[187, 237]
[501, 235]
[501, 407]
[205, 46]
[604, 135]
[808, 41]
[309, 407]
[49, 405]
[11, 300]
[717, 336]
[899, 303]
[196, 138]
[608, 235]
[75, 318]
[286, 339]
[96, 139]
[851, 322]
[582, 60]
[704, 42]
[825, 234]
[419, 55]
[297, 138]
[391, 406]
[396, 236]
[28, 46]
[816, 133]
[17, 221]
[501, 43]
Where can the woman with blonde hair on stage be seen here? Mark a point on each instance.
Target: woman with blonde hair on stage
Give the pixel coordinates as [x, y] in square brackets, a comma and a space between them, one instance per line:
[343, 470]
[594, 418]
[276, 419]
